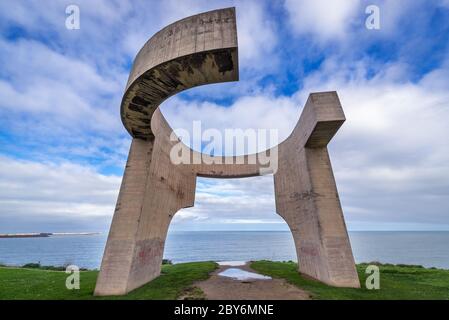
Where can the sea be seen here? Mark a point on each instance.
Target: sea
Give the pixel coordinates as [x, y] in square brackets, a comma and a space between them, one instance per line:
[429, 249]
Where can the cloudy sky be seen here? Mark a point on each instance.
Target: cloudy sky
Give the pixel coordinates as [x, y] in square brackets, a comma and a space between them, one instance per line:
[63, 147]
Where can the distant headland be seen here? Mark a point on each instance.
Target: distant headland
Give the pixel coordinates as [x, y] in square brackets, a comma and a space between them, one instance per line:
[45, 234]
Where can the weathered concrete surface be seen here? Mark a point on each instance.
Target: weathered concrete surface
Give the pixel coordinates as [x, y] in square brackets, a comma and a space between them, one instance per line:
[117, 259]
[307, 196]
[199, 50]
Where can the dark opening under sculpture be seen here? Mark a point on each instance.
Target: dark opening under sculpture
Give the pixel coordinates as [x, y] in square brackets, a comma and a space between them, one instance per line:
[198, 50]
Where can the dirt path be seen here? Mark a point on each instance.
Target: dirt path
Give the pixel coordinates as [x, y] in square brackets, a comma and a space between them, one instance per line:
[219, 287]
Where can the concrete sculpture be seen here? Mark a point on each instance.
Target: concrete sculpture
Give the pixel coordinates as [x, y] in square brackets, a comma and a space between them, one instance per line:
[199, 50]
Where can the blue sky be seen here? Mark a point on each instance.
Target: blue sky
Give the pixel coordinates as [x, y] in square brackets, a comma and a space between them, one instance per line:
[63, 147]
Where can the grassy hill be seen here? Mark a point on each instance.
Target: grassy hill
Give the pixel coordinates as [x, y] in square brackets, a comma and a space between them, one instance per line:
[37, 283]
[396, 282]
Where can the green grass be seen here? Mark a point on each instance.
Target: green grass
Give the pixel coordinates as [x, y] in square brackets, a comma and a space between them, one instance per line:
[37, 283]
[397, 282]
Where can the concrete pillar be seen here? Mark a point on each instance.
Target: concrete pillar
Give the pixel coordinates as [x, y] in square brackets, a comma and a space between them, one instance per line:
[152, 191]
[118, 254]
[307, 197]
[168, 189]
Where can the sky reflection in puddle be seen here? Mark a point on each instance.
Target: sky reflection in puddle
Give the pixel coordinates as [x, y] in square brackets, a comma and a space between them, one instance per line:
[241, 275]
[231, 263]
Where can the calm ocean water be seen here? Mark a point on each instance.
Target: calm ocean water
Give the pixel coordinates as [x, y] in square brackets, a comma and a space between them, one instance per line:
[430, 249]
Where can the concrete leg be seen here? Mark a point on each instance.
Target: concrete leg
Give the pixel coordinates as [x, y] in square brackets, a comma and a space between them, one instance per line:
[117, 258]
[152, 191]
[307, 199]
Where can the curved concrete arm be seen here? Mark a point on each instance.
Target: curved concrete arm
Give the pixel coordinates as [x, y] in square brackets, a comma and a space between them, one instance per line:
[197, 50]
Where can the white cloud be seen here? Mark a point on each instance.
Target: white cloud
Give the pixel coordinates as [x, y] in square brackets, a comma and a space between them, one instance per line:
[322, 18]
[59, 104]
[390, 157]
[248, 112]
[343, 21]
[48, 82]
[232, 201]
[58, 190]
[256, 36]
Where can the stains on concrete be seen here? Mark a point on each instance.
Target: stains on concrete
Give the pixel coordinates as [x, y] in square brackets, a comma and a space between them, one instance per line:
[224, 61]
[147, 252]
[157, 84]
[307, 195]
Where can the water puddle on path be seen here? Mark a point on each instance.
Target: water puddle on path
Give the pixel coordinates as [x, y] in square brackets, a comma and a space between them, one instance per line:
[231, 263]
[242, 275]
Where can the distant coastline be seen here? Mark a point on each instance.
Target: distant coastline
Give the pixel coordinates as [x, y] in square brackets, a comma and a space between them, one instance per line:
[45, 234]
